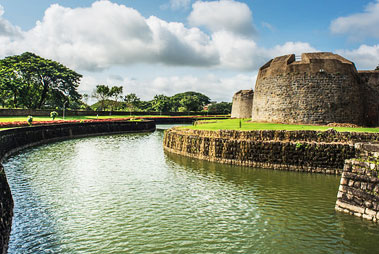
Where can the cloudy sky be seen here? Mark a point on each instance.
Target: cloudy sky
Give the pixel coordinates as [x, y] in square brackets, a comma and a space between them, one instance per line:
[169, 46]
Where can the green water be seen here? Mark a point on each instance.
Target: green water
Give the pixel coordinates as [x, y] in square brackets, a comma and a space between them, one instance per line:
[123, 194]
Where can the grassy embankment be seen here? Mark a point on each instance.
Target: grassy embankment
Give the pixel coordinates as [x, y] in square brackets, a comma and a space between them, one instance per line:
[234, 124]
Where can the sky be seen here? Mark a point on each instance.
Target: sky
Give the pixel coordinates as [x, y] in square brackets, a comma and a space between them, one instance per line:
[173, 46]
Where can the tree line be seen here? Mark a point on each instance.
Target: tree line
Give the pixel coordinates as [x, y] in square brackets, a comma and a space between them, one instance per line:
[112, 98]
[30, 81]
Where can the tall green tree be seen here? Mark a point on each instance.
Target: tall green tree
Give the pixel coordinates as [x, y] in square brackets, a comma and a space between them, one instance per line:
[221, 107]
[189, 101]
[101, 93]
[377, 68]
[33, 80]
[161, 103]
[115, 93]
[132, 101]
[11, 83]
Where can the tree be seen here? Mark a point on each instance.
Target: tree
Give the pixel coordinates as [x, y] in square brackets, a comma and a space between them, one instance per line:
[101, 93]
[189, 101]
[31, 81]
[132, 101]
[10, 86]
[145, 106]
[161, 103]
[377, 68]
[85, 98]
[221, 107]
[115, 92]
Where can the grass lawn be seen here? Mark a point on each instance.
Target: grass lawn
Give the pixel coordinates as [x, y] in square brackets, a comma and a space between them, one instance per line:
[234, 124]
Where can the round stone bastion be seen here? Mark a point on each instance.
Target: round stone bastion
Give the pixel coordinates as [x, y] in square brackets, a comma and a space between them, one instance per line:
[242, 104]
[321, 88]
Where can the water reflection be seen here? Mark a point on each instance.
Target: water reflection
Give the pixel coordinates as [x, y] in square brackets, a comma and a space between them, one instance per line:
[122, 193]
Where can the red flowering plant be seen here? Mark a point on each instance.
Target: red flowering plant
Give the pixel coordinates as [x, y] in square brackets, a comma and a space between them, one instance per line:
[25, 123]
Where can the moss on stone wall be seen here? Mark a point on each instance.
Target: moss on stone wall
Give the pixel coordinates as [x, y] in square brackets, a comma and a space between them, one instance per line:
[286, 150]
[358, 193]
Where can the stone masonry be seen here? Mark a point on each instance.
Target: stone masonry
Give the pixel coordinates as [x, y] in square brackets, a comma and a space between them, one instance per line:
[305, 151]
[322, 88]
[242, 104]
[358, 193]
[370, 85]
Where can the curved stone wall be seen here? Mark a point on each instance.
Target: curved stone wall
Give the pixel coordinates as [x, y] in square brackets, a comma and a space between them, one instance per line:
[321, 88]
[242, 104]
[307, 151]
[13, 140]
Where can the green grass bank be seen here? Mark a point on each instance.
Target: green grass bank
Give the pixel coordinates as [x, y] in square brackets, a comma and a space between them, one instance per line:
[247, 125]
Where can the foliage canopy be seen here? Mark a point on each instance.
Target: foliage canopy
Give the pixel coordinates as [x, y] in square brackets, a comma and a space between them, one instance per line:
[30, 81]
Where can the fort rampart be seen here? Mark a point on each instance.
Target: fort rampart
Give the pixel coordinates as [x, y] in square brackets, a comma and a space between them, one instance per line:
[306, 151]
[321, 88]
[242, 104]
[13, 140]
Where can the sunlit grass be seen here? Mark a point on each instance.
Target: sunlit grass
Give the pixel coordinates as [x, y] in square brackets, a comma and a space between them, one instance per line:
[246, 125]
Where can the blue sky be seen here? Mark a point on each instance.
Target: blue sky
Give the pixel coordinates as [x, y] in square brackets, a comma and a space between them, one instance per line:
[172, 46]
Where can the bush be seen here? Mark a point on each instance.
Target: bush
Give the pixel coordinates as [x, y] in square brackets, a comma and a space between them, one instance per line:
[29, 120]
[53, 114]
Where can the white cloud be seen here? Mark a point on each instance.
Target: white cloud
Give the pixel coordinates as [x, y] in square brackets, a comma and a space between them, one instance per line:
[360, 25]
[219, 89]
[107, 34]
[290, 47]
[365, 57]
[223, 15]
[178, 4]
[6, 28]
[174, 44]
[268, 26]
[238, 52]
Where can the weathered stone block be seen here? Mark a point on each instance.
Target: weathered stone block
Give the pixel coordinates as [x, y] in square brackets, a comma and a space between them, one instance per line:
[353, 208]
[370, 212]
[367, 217]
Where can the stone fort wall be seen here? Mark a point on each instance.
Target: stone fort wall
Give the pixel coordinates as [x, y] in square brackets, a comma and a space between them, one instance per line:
[242, 104]
[321, 88]
[370, 84]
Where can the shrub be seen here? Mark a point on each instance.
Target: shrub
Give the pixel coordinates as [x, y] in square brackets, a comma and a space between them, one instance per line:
[29, 120]
[53, 114]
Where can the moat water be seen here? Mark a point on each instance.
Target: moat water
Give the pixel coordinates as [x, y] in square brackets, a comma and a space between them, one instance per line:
[124, 194]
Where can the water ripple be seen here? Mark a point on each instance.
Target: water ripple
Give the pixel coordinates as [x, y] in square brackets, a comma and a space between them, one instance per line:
[123, 194]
